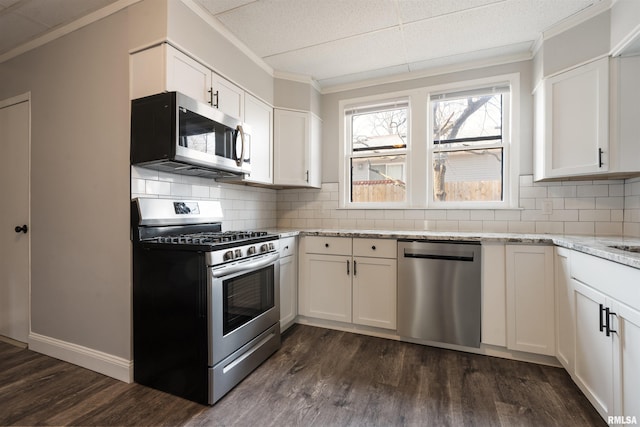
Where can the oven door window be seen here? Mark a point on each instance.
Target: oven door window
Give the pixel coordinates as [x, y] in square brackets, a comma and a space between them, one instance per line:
[246, 297]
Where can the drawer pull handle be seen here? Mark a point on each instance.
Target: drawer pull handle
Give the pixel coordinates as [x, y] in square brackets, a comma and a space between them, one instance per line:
[326, 245]
[373, 247]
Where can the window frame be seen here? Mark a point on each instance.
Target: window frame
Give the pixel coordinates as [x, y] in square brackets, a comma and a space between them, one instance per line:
[347, 153]
[505, 145]
[419, 149]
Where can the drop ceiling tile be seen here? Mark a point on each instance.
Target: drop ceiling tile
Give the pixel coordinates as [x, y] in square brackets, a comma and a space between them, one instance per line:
[52, 13]
[416, 10]
[499, 24]
[218, 6]
[346, 56]
[271, 27]
[15, 30]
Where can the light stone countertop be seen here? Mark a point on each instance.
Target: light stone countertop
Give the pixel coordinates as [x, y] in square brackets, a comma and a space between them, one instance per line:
[596, 246]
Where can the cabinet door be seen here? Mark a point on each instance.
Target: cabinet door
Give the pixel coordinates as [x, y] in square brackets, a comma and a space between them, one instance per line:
[627, 343]
[577, 121]
[228, 97]
[164, 68]
[593, 369]
[314, 153]
[564, 309]
[325, 287]
[374, 292]
[291, 140]
[530, 299]
[288, 291]
[259, 116]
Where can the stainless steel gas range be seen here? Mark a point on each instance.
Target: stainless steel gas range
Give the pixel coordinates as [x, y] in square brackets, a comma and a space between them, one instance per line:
[206, 303]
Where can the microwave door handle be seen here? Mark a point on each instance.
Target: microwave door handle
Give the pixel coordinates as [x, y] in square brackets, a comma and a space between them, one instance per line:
[240, 158]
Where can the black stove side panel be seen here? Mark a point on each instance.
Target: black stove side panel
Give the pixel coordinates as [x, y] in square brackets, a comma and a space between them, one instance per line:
[170, 337]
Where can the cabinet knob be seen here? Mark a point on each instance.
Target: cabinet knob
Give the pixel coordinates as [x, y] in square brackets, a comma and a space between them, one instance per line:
[326, 245]
[373, 247]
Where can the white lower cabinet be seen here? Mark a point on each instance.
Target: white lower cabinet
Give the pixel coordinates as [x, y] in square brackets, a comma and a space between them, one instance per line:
[593, 371]
[349, 280]
[288, 282]
[564, 309]
[607, 335]
[530, 299]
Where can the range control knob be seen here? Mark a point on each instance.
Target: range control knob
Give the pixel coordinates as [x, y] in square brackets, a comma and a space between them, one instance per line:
[264, 247]
[251, 250]
[227, 256]
[271, 247]
[237, 253]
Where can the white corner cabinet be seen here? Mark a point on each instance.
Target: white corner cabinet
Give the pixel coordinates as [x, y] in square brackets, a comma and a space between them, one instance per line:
[530, 299]
[164, 68]
[288, 282]
[606, 323]
[297, 155]
[585, 121]
[349, 280]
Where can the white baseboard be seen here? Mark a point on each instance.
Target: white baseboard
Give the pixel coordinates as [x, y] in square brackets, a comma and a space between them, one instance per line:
[104, 363]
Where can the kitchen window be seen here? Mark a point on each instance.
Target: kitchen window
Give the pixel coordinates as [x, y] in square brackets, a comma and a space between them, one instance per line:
[450, 146]
[378, 138]
[468, 145]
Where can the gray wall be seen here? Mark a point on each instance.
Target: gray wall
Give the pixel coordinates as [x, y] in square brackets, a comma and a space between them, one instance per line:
[80, 248]
[330, 108]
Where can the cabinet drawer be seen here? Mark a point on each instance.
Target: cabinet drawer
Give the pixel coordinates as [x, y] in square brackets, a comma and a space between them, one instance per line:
[376, 248]
[327, 245]
[287, 246]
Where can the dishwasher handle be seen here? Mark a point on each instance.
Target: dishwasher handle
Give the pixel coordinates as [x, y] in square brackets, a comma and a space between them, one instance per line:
[466, 258]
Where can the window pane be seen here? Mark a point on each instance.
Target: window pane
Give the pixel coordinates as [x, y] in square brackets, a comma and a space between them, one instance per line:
[378, 179]
[469, 175]
[384, 129]
[467, 121]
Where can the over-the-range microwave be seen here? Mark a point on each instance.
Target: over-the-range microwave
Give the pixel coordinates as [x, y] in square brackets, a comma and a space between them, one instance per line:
[175, 133]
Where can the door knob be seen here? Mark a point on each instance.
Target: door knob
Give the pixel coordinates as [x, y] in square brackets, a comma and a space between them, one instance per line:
[22, 229]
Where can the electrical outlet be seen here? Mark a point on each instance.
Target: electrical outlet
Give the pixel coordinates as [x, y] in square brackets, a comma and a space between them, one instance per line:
[547, 207]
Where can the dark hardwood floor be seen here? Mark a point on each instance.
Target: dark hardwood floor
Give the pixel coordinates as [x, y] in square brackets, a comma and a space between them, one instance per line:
[319, 377]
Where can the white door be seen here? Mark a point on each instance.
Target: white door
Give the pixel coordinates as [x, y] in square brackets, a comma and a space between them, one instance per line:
[14, 245]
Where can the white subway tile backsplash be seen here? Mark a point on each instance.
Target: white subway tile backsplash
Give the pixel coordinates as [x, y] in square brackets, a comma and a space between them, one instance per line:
[572, 207]
[158, 188]
[593, 190]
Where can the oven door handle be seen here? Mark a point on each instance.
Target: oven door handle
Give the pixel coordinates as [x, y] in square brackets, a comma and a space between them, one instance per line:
[246, 266]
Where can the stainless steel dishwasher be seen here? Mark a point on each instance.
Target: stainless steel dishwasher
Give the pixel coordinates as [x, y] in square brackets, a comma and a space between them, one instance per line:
[439, 291]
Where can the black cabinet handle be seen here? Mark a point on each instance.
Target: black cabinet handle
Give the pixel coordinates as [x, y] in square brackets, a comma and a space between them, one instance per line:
[354, 268]
[600, 158]
[347, 268]
[22, 229]
[602, 321]
[610, 313]
[373, 247]
[326, 245]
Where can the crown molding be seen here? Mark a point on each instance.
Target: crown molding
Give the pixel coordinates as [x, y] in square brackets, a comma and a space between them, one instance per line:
[577, 19]
[300, 78]
[66, 29]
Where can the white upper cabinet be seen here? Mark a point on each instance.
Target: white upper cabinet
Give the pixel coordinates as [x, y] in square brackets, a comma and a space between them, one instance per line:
[259, 117]
[297, 149]
[164, 68]
[572, 122]
[227, 97]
